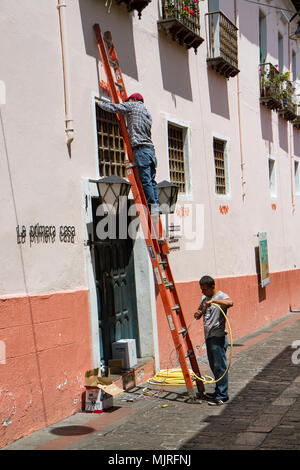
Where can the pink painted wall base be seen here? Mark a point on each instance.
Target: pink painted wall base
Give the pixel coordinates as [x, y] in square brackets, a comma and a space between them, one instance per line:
[253, 307]
[48, 350]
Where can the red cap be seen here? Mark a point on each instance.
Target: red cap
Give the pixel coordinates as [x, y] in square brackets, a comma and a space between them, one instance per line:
[136, 96]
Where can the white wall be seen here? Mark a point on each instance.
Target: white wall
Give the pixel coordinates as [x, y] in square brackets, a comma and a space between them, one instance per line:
[41, 182]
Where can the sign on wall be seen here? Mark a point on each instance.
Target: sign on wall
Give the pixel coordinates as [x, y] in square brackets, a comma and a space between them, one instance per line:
[263, 259]
[45, 234]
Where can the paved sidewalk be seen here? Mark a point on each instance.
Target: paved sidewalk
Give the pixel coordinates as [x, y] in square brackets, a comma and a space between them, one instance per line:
[263, 411]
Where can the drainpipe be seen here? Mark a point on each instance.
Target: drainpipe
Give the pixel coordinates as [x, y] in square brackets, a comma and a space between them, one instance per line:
[236, 21]
[61, 5]
[290, 125]
[290, 128]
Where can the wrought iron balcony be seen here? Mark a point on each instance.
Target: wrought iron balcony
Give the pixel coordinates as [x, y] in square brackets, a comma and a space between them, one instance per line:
[296, 121]
[180, 20]
[138, 5]
[270, 92]
[223, 44]
[277, 92]
[288, 106]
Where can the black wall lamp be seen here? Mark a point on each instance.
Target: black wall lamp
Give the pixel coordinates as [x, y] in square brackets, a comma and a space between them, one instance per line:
[112, 190]
[167, 197]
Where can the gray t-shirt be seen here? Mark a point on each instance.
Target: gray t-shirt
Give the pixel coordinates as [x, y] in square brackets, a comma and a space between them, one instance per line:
[213, 319]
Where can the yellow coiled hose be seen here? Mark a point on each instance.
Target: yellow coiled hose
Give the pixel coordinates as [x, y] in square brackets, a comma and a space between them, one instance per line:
[175, 376]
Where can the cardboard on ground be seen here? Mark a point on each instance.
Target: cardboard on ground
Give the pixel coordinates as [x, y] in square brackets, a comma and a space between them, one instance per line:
[92, 379]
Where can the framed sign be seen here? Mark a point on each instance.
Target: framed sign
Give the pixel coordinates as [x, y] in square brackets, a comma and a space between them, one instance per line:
[263, 259]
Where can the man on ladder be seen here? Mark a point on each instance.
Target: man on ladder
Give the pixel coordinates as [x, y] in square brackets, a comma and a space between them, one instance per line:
[139, 122]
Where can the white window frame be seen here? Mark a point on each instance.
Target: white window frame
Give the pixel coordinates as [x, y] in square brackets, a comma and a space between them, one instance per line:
[273, 180]
[280, 42]
[227, 165]
[186, 126]
[263, 31]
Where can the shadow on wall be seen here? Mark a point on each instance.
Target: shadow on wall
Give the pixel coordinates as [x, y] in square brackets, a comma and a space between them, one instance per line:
[283, 134]
[266, 123]
[174, 63]
[119, 23]
[218, 93]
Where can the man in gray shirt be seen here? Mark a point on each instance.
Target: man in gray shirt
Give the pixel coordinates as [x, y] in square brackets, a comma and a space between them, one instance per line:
[139, 124]
[215, 335]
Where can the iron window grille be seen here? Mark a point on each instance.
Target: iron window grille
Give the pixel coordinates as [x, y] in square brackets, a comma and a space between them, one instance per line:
[220, 167]
[176, 156]
[111, 151]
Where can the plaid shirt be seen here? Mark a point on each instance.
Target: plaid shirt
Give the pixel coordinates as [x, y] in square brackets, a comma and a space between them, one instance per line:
[139, 120]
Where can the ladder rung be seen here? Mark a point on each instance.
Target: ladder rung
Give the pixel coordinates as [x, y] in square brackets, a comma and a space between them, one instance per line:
[164, 263]
[183, 331]
[190, 353]
[176, 307]
[169, 285]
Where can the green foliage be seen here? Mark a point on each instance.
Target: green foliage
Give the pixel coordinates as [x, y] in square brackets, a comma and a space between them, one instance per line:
[183, 8]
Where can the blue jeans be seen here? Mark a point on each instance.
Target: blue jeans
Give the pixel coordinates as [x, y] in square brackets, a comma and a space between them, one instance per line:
[146, 164]
[216, 347]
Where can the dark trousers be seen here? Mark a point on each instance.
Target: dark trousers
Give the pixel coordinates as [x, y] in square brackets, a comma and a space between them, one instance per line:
[146, 164]
[216, 347]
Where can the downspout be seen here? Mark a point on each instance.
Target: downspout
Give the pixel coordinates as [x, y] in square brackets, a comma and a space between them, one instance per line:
[236, 21]
[61, 5]
[290, 125]
[290, 129]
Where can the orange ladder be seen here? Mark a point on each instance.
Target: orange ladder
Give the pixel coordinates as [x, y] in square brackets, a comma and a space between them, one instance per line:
[155, 239]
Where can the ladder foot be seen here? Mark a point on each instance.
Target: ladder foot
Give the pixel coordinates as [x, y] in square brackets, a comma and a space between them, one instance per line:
[192, 395]
[200, 395]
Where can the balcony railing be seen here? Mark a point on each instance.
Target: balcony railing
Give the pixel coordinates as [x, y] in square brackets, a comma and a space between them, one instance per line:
[289, 108]
[180, 20]
[270, 92]
[276, 92]
[223, 44]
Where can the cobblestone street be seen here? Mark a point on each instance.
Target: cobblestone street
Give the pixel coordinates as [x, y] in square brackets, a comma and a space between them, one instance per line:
[263, 411]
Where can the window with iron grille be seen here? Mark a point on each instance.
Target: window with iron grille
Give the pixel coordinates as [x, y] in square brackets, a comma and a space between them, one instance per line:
[176, 138]
[111, 151]
[220, 166]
